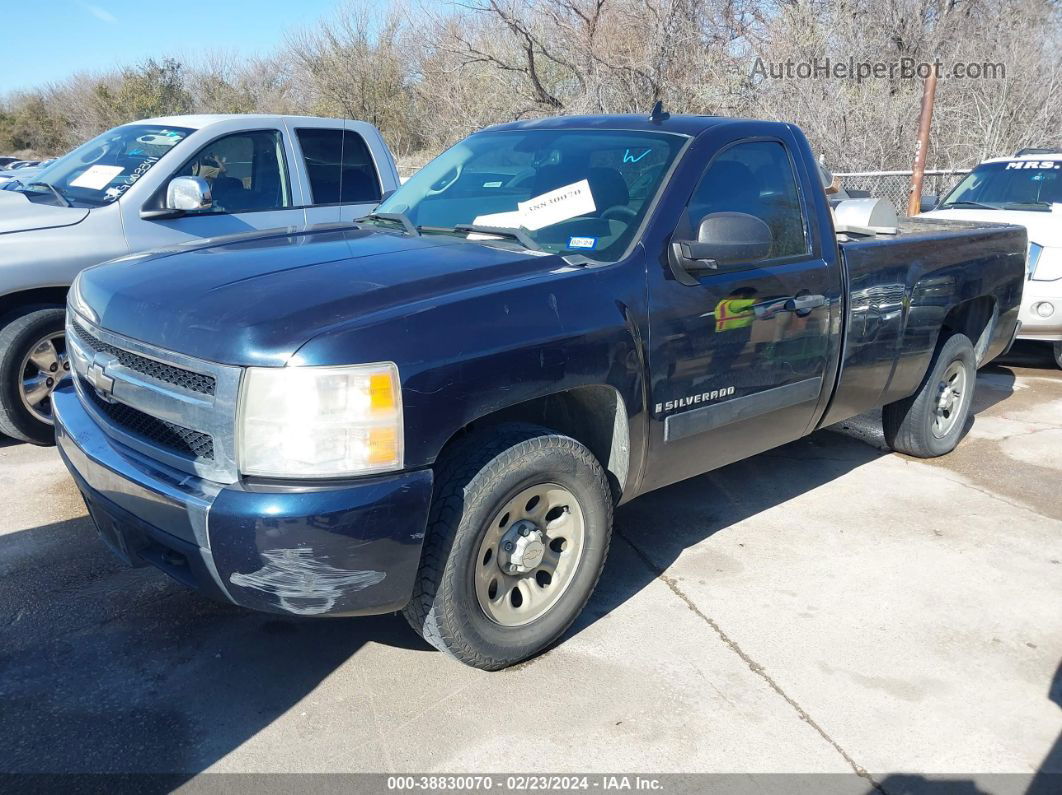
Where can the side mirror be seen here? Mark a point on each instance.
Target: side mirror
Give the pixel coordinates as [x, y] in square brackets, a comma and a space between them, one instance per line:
[928, 202]
[188, 193]
[183, 194]
[723, 239]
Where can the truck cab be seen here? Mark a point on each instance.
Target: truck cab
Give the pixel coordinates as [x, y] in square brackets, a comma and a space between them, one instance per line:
[118, 193]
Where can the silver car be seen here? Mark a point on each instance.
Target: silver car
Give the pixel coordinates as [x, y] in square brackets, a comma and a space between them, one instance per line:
[153, 184]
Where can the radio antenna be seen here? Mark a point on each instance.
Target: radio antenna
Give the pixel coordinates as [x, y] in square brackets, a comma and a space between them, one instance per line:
[658, 114]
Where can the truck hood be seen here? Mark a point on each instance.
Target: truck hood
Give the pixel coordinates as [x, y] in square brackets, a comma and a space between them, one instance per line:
[19, 214]
[1043, 228]
[255, 300]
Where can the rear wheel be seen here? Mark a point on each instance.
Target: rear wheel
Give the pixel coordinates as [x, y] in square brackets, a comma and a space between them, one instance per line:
[517, 537]
[931, 421]
[33, 362]
[1058, 353]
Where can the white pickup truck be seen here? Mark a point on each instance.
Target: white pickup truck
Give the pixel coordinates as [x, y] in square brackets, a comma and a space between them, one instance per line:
[1027, 190]
[152, 184]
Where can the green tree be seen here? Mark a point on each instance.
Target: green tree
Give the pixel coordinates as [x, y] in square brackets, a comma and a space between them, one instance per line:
[30, 124]
[146, 90]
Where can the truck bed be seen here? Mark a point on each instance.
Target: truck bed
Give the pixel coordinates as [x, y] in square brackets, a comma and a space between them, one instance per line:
[899, 290]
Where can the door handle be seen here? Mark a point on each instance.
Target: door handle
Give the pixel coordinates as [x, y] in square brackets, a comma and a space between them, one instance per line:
[803, 304]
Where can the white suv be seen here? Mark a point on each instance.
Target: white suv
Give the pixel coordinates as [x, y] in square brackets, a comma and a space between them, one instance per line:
[1025, 189]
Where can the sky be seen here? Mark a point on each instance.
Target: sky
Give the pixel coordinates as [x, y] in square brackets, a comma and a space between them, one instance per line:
[68, 36]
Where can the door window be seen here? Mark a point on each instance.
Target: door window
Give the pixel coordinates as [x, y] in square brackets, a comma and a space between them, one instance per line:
[246, 172]
[756, 178]
[340, 167]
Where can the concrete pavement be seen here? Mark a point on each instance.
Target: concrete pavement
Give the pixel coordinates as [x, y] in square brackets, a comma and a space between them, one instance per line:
[825, 607]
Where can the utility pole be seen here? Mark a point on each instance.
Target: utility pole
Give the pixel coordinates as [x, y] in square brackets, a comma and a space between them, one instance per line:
[925, 120]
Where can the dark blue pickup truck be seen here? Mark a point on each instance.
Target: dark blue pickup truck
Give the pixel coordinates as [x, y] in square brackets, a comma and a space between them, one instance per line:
[435, 410]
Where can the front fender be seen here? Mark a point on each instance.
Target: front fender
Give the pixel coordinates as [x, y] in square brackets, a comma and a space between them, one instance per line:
[473, 355]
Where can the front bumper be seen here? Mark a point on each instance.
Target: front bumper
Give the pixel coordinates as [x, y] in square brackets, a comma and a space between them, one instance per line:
[304, 549]
[1033, 326]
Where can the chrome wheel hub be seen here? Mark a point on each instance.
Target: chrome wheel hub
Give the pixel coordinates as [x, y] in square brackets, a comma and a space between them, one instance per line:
[523, 548]
[529, 554]
[43, 369]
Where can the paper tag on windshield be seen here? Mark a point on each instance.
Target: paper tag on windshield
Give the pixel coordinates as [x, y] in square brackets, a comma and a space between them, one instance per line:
[557, 205]
[97, 177]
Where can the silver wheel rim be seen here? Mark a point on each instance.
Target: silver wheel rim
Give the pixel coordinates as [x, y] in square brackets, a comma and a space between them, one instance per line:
[43, 368]
[951, 391]
[529, 554]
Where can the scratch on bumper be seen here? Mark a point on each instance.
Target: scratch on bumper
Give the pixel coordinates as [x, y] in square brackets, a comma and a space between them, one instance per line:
[303, 584]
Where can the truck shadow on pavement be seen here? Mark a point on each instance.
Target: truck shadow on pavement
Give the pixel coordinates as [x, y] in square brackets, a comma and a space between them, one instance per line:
[660, 525]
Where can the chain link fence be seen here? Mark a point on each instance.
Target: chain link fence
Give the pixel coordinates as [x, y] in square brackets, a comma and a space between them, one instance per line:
[895, 186]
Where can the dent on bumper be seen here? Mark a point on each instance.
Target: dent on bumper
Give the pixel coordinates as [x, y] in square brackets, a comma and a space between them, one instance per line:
[305, 549]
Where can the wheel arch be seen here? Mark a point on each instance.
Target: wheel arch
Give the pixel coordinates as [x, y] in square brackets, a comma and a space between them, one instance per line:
[594, 415]
[17, 302]
[974, 317]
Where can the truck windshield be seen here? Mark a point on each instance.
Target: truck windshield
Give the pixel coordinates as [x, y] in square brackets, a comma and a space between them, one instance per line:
[1010, 185]
[100, 171]
[564, 191]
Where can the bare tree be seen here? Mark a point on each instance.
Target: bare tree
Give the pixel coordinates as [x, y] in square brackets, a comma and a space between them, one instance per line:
[429, 74]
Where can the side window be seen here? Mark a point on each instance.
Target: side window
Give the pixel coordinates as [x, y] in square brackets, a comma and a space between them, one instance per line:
[339, 165]
[755, 178]
[246, 172]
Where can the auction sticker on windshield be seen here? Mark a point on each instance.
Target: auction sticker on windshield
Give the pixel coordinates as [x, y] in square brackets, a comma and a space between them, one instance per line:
[97, 177]
[557, 205]
[546, 209]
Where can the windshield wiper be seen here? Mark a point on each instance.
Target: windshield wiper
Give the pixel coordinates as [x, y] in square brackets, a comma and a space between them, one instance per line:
[977, 205]
[55, 191]
[399, 218]
[519, 235]
[1038, 206]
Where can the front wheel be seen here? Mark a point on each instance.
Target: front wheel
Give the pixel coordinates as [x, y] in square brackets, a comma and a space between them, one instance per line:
[1058, 353]
[516, 540]
[33, 362]
[931, 422]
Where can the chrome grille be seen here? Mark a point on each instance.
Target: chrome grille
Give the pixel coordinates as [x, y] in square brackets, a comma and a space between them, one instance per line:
[184, 441]
[197, 382]
[175, 408]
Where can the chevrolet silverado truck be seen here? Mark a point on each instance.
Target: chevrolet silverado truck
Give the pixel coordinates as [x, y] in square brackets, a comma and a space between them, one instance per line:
[435, 410]
[154, 183]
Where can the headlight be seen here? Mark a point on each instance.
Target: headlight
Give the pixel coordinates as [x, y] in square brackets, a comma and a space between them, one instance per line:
[304, 422]
[1045, 264]
[1032, 258]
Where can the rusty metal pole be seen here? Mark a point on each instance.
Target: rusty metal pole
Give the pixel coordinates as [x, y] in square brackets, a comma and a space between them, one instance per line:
[925, 120]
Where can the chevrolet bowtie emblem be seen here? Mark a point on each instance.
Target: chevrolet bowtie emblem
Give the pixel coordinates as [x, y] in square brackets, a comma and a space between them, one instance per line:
[97, 375]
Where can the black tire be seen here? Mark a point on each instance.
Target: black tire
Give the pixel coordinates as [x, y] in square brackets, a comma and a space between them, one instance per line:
[17, 337]
[908, 423]
[1058, 354]
[473, 482]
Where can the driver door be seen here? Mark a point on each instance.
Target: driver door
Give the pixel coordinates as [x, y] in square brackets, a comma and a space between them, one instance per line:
[738, 354]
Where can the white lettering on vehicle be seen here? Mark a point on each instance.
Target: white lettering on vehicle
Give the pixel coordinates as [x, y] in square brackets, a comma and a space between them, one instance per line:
[1055, 164]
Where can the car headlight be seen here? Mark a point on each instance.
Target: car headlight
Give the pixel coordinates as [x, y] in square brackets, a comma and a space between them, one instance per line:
[303, 422]
[1045, 263]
